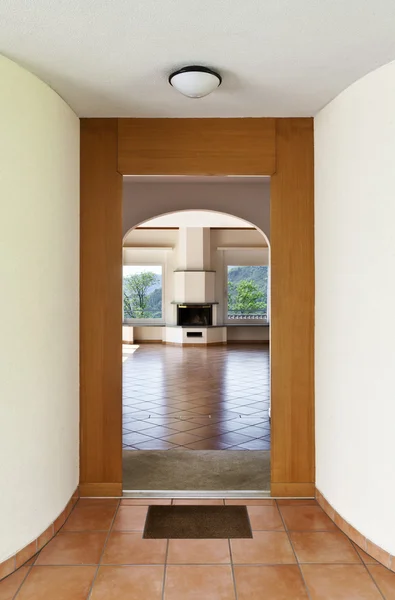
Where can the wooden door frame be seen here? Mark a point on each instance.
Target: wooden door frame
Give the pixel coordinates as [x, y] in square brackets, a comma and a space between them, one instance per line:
[279, 148]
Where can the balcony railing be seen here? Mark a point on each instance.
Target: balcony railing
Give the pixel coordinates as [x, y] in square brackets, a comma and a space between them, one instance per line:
[237, 316]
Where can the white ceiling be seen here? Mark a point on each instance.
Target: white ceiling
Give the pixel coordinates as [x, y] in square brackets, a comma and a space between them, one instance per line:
[196, 218]
[277, 57]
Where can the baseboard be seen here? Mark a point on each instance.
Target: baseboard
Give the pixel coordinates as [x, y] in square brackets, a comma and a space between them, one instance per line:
[20, 558]
[292, 490]
[100, 490]
[382, 556]
[147, 341]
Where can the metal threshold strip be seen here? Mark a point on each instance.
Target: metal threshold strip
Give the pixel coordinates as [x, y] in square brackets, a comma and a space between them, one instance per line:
[196, 494]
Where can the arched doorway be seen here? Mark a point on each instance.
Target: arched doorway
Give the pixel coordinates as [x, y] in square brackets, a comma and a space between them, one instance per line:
[196, 406]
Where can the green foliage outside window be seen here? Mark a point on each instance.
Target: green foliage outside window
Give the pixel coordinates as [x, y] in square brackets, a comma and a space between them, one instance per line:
[247, 292]
[142, 296]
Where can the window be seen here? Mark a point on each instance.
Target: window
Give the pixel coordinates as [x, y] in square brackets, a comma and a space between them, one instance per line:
[247, 293]
[142, 293]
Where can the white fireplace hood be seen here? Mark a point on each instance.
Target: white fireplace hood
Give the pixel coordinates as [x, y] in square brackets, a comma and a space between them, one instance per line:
[194, 281]
[194, 287]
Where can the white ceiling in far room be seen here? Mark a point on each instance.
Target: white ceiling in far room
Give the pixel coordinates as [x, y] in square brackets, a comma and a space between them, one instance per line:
[196, 218]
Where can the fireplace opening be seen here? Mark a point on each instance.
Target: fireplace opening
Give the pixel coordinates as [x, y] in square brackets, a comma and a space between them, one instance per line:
[199, 315]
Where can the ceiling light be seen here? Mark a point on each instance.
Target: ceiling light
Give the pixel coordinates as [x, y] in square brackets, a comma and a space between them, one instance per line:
[195, 81]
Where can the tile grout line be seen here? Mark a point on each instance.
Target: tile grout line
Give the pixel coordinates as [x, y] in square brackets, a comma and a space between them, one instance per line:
[293, 550]
[232, 568]
[374, 581]
[39, 551]
[165, 569]
[22, 582]
[102, 552]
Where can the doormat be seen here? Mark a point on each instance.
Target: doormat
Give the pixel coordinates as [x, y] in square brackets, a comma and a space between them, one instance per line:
[197, 522]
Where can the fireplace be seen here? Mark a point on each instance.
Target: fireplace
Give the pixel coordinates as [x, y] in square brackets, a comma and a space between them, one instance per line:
[194, 315]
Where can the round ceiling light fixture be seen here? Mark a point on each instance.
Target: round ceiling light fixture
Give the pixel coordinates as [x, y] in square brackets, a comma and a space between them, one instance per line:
[195, 81]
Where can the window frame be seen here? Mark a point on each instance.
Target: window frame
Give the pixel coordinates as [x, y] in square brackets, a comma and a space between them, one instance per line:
[150, 321]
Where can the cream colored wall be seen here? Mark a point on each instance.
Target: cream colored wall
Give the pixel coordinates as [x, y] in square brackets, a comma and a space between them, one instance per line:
[39, 351]
[355, 287]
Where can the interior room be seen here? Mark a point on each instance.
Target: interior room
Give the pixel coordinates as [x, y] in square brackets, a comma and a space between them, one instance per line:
[197, 218]
[196, 331]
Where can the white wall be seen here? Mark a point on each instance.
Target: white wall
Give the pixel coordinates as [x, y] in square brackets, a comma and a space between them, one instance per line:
[355, 287]
[39, 257]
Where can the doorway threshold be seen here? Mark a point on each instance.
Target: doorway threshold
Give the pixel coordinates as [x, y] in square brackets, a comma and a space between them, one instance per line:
[228, 494]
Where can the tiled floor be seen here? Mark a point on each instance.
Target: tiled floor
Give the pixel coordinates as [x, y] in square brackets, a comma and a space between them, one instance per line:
[212, 398]
[296, 553]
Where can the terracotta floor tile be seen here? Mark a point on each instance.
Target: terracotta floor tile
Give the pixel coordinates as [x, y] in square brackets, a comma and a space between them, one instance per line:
[385, 580]
[128, 583]
[366, 558]
[182, 438]
[25, 554]
[134, 437]
[198, 552]
[207, 431]
[73, 548]
[130, 518]
[199, 583]
[7, 567]
[131, 549]
[266, 547]
[323, 547]
[297, 502]
[198, 501]
[195, 389]
[306, 518]
[251, 502]
[233, 438]
[145, 501]
[265, 518]
[84, 502]
[91, 517]
[57, 583]
[255, 445]
[209, 444]
[155, 445]
[185, 425]
[159, 431]
[277, 582]
[10, 585]
[45, 537]
[339, 582]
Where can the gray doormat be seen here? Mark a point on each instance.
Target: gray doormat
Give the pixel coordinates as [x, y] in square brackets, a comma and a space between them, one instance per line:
[197, 522]
[196, 470]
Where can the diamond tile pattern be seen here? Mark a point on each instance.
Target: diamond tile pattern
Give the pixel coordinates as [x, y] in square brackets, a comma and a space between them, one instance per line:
[213, 398]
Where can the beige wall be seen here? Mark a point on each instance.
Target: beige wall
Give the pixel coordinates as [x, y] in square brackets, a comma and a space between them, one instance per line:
[248, 199]
[39, 266]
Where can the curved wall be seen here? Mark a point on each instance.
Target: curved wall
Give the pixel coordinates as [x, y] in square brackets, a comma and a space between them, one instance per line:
[39, 350]
[355, 304]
